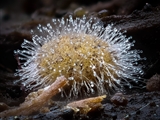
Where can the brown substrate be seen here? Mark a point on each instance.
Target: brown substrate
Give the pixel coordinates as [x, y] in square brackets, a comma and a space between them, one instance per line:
[143, 25]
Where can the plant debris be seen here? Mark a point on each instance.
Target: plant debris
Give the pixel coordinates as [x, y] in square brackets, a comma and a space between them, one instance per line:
[86, 105]
[36, 100]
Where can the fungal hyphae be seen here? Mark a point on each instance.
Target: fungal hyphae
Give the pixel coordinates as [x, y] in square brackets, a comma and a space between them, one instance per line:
[95, 59]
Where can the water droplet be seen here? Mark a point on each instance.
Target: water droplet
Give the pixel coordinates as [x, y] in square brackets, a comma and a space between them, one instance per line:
[71, 78]
[59, 90]
[15, 74]
[92, 84]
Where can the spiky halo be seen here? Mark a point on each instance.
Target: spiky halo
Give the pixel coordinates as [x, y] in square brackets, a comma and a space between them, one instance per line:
[38, 70]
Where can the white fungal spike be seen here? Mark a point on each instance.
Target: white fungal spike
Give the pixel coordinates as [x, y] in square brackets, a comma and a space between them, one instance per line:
[94, 58]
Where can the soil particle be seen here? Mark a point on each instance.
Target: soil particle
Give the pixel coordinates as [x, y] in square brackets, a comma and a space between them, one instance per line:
[153, 83]
[119, 99]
